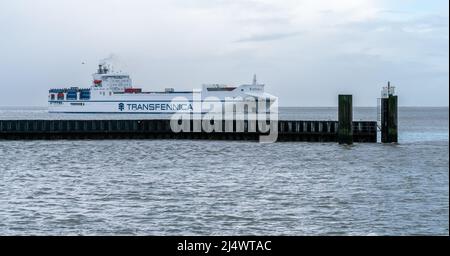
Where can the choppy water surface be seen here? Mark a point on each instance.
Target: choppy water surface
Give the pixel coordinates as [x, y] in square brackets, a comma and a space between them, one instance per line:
[168, 187]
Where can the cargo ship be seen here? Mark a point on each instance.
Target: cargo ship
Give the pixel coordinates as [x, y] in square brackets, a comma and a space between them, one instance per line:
[113, 92]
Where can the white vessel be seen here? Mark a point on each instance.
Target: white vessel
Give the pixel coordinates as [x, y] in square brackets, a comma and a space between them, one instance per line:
[112, 92]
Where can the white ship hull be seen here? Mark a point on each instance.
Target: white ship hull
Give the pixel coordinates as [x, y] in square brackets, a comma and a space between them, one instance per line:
[152, 106]
[146, 107]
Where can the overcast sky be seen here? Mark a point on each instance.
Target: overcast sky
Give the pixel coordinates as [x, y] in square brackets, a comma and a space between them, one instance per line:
[305, 51]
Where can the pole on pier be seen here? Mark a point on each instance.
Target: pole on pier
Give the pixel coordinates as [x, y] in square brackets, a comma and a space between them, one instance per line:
[345, 119]
[389, 120]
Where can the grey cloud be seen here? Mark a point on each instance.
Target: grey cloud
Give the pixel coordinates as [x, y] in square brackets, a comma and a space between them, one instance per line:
[430, 21]
[267, 37]
[267, 20]
[393, 12]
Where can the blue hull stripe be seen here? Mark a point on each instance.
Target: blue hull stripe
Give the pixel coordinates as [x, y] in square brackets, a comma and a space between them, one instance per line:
[126, 101]
[132, 113]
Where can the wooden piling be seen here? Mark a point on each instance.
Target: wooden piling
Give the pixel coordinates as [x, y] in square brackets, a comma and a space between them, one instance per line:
[345, 119]
[389, 119]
